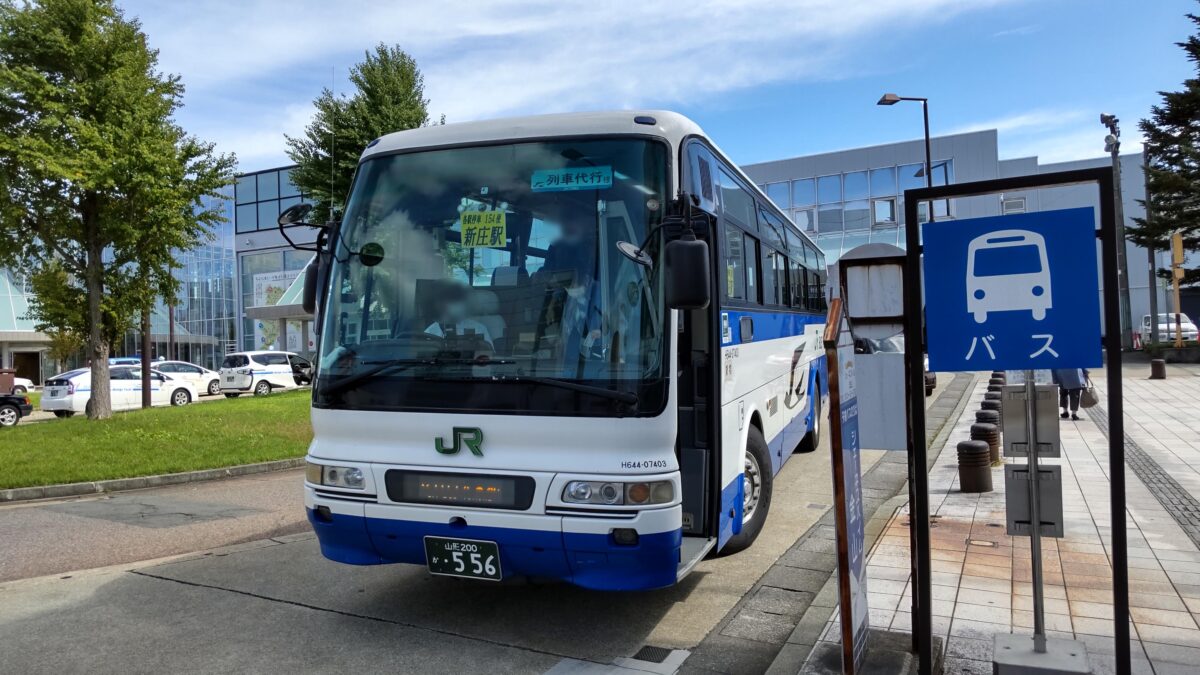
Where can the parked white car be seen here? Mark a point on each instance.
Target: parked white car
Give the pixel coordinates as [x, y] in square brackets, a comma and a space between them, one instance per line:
[22, 385]
[69, 393]
[262, 372]
[1166, 327]
[206, 381]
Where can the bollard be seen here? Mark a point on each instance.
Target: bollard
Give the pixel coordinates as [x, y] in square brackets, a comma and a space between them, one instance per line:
[987, 416]
[998, 373]
[990, 434]
[974, 467]
[990, 404]
[995, 388]
[1158, 369]
[996, 380]
[992, 396]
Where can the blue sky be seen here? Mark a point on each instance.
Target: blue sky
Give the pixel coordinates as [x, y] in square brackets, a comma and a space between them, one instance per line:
[766, 79]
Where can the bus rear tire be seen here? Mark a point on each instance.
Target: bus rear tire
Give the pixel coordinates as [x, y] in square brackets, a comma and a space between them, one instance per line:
[756, 477]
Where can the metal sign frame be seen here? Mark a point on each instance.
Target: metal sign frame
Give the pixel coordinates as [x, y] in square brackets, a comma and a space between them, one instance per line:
[853, 645]
[914, 350]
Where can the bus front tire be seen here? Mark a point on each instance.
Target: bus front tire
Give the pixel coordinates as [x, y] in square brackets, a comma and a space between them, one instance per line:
[757, 483]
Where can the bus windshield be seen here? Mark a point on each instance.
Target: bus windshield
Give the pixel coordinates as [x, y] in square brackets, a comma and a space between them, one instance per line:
[487, 278]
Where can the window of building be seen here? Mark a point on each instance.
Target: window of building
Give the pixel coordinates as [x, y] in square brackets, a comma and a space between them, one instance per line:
[780, 193]
[268, 214]
[805, 219]
[736, 202]
[247, 218]
[912, 176]
[829, 218]
[1011, 205]
[854, 239]
[804, 192]
[829, 189]
[883, 211]
[883, 182]
[857, 215]
[854, 186]
[286, 187]
[245, 190]
[268, 185]
[886, 235]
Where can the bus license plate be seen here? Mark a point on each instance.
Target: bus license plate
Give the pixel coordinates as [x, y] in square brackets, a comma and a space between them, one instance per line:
[463, 558]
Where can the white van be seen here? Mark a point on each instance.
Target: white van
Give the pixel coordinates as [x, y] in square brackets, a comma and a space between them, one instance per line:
[262, 372]
[69, 393]
[206, 381]
[1166, 327]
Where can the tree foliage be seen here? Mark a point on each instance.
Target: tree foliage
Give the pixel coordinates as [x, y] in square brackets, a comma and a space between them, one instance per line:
[1172, 148]
[100, 186]
[389, 95]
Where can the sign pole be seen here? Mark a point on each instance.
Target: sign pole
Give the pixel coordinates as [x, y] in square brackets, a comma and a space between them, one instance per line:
[1035, 515]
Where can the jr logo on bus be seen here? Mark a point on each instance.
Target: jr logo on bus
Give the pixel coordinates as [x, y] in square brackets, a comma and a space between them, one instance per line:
[472, 436]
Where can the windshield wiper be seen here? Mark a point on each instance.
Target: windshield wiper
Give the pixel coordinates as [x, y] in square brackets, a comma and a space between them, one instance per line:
[626, 397]
[380, 367]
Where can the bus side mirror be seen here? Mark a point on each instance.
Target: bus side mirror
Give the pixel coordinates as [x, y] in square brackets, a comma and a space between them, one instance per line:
[687, 280]
[309, 301]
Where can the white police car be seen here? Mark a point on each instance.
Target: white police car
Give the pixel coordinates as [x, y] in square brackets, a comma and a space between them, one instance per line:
[70, 392]
[261, 372]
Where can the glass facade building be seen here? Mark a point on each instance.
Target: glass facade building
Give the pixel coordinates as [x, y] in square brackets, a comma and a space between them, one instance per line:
[266, 264]
[846, 209]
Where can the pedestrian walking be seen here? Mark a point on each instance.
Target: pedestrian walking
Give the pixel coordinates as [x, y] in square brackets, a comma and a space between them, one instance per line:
[1071, 382]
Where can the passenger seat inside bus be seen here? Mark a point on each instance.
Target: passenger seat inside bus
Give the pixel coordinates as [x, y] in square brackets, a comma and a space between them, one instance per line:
[484, 307]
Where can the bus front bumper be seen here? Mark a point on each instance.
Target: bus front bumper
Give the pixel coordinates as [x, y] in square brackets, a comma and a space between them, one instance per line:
[577, 550]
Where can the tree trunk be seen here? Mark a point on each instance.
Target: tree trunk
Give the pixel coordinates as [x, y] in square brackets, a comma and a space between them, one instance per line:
[146, 390]
[100, 403]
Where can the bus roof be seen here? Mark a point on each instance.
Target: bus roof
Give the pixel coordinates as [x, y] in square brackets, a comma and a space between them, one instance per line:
[669, 125]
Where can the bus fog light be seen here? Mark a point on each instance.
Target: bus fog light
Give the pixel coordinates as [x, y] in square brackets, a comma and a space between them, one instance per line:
[623, 536]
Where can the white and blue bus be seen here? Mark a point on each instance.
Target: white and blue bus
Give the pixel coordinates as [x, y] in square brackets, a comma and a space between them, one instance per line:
[573, 347]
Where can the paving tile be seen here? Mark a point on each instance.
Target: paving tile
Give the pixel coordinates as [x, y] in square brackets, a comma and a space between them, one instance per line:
[982, 613]
[958, 666]
[977, 570]
[1169, 653]
[979, 630]
[1162, 617]
[969, 648]
[1056, 591]
[1169, 635]
[985, 598]
[985, 583]
[1093, 610]
[1055, 622]
[1055, 605]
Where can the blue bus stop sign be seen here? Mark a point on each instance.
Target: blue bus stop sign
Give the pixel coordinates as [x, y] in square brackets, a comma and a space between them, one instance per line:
[1013, 292]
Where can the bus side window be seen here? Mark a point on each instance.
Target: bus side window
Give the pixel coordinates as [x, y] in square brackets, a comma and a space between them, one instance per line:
[750, 250]
[735, 271]
[770, 292]
[783, 295]
[799, 276]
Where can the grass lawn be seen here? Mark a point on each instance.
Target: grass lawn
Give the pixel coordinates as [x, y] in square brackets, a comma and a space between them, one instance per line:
[159, 440]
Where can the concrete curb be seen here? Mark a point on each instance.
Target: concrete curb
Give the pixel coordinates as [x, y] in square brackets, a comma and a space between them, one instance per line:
[142, 482]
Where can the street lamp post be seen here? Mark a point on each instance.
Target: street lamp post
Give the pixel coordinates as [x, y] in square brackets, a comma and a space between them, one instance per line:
[893, 99]
[918, 531]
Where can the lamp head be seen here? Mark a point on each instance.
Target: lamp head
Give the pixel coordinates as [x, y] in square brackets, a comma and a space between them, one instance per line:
[888, 99]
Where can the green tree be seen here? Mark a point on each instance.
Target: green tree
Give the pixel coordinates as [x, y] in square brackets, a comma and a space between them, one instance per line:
[100, 185]
[1172, 149]
[64, 344]
[389, 95]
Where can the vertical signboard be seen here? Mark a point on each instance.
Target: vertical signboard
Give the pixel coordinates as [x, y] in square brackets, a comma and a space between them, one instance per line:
[847, 490]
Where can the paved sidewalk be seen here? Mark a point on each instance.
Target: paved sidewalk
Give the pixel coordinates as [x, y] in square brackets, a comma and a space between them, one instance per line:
[981, 576]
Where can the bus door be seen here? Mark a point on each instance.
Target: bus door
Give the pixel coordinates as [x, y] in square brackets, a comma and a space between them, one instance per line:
[699, 383]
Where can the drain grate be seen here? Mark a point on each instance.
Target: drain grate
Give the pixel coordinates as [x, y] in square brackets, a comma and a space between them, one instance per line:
[651, 654]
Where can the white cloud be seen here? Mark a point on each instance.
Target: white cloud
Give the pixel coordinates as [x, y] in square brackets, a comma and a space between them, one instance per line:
[500, 57]
[1019, 31]
[1052, 135]
[1033, 120]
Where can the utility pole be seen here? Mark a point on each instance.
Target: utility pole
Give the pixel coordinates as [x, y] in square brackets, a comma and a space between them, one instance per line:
[1112, 144]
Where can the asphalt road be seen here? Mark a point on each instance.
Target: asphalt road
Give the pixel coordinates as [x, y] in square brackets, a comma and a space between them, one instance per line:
[275, 605]
[52, 537]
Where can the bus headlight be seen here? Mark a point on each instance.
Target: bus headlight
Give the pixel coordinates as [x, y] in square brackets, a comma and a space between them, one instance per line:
[597, 492]
[349, 477]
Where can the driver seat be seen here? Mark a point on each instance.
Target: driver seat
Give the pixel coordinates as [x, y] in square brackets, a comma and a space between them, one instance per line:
[484, 307]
